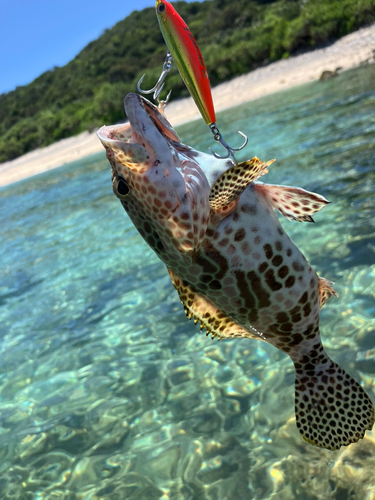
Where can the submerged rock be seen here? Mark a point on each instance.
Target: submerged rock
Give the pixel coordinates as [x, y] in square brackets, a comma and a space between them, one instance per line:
[328, 74]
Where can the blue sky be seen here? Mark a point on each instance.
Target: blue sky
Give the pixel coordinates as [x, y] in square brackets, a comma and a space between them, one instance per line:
[36, 35]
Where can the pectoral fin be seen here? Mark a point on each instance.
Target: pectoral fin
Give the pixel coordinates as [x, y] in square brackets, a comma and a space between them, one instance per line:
[294, 203]
[232, 183]
[198, 307]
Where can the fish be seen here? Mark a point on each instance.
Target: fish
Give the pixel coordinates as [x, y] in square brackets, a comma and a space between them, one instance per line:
[236, 271]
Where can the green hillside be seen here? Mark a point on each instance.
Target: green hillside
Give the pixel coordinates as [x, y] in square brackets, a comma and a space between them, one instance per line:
[235, 37]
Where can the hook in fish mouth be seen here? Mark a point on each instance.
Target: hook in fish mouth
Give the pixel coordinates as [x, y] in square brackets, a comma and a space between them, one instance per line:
[146, 140]
[150, 138]
[146, 128]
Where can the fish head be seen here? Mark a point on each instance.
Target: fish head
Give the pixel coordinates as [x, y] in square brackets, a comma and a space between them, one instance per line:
[163, 184]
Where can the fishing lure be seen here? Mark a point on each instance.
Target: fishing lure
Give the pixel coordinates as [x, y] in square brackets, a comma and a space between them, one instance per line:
[184, 50]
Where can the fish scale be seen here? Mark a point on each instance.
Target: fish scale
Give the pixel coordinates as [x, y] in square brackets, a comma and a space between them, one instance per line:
[235, 269]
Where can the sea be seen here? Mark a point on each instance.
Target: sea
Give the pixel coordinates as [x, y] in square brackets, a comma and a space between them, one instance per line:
[108, 392]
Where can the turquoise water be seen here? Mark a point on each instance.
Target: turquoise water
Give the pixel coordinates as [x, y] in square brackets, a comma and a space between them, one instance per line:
[107, 392]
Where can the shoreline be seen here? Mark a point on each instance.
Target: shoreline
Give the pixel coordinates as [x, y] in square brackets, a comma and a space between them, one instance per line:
[348, 52]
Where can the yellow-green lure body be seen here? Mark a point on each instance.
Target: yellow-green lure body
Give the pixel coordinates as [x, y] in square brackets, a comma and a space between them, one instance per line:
[188, 58]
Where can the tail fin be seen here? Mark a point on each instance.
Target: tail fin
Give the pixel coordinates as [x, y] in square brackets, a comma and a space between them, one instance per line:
[332, 409]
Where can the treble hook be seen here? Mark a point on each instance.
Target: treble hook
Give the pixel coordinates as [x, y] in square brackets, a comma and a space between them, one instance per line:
[219, 138]
[160, 83]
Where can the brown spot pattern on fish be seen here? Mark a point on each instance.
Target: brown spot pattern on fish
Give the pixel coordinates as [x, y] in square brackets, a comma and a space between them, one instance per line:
[236, 271]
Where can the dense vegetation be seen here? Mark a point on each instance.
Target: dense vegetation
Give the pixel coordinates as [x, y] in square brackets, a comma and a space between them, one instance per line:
[234, 37]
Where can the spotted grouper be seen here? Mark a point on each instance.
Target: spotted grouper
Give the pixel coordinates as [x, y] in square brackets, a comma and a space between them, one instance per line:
[235, 269]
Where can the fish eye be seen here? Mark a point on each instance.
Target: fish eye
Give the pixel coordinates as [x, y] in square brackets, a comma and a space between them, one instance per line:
[161, 8]
[120, 187]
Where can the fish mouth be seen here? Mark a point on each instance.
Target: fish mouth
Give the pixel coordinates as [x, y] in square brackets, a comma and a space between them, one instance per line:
[145, 116]
[147, 127]
[147, 135]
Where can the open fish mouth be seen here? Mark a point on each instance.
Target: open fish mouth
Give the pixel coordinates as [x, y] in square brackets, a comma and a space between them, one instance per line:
[148, 140]
[147, 128]
[140, 111]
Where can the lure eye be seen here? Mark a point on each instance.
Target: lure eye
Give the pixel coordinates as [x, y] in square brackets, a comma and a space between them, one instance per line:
[161, 8]
[120, 188]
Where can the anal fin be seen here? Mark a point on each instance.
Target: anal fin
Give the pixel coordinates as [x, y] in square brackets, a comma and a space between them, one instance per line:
[211, 319]
[326, 291]
[292, 202]
[232, 183]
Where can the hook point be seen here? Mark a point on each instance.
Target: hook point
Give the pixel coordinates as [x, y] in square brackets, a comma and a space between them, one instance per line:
[160, 83]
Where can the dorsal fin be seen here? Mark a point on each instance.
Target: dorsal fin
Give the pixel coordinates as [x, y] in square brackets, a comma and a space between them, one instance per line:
[294, 203]
[232, 183]
[214, 321]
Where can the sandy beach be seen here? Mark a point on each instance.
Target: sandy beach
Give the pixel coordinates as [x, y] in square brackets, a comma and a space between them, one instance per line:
[348, 52]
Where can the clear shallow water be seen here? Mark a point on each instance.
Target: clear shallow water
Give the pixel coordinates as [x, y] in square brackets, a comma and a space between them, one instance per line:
[108, 392]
